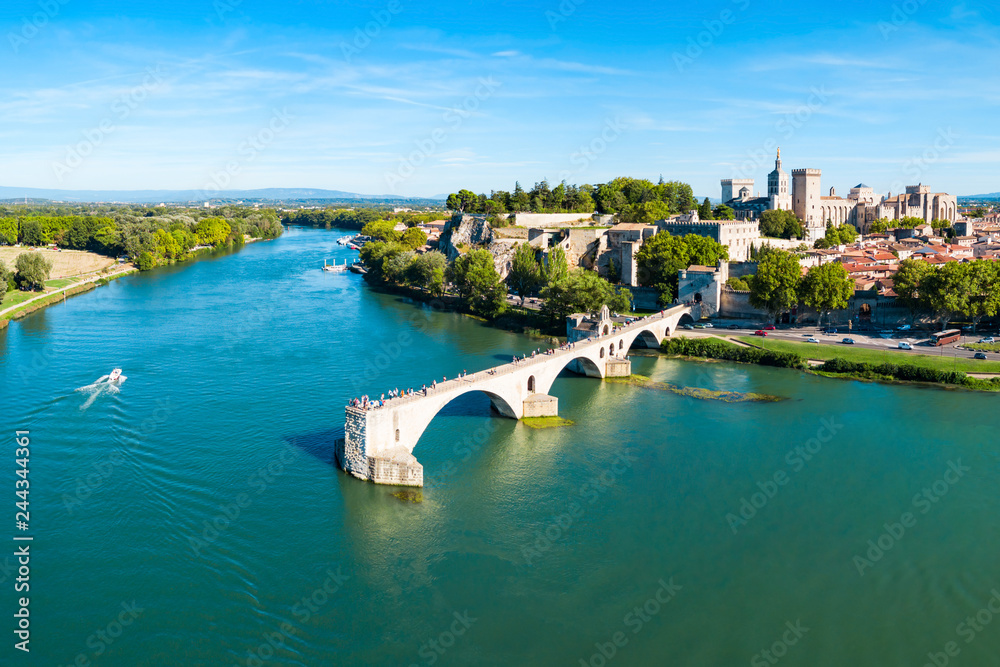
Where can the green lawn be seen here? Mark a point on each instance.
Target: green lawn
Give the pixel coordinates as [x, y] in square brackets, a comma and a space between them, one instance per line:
[56, 283]
[860, 354]
[16, 296]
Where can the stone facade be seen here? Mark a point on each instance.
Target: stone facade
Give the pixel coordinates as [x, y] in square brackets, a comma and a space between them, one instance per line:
[703, 285]
[737, 235]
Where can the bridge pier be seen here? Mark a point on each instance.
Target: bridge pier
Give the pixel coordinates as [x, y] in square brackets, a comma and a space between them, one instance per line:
[618, 368]
[541, 405]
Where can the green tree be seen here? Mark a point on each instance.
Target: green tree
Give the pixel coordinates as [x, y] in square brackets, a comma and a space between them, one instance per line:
[525, 272]
[381, 230]
[413, 238]
[780, 224]
[582, 292]
[32, 270]
[880, 226]
[739, 284]
[556, 268]
[465, 201]
[774, 287]
[375, 254]
[723, 212]
[31, 233]
[947, 290]
[478, 283]
[145, 261]
[662, 256]
[5, 277]
[705, 210]
[984, 290]
[213, 231]
[428, 271]
[826, 287]
[907, 284]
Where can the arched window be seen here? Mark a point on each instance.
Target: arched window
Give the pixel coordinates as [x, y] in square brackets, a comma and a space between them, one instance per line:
[397, 435]
[531, 384]
[602, 353]
[621, 344]
[605, 329]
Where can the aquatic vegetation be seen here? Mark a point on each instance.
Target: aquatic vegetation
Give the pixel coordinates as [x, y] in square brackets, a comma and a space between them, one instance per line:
[546, 422]
[409, 495]
[698, 392]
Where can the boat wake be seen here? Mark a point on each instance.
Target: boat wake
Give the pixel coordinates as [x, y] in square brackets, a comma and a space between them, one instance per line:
[100, 386]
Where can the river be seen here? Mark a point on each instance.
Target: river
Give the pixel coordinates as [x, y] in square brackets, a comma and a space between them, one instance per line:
[195, 517]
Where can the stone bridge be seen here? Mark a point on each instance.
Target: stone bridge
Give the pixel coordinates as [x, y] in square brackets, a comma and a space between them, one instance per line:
[378, 442]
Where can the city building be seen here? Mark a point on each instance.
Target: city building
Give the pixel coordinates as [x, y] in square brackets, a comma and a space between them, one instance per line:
[737, 235]
[860, 208]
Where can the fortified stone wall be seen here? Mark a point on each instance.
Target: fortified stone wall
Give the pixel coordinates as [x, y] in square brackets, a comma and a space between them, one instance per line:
[545, 220]
[736, 305]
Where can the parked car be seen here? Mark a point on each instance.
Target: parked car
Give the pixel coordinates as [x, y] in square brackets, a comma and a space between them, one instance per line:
[988, 339]
[759, 332]
[734, 326]
[980, 355]
[830, 332]
[905, 327]
[903, 345]
[699, 326]
[813, 339]
[709, 325]
[687, 326]
[848, 341]
[770, 327]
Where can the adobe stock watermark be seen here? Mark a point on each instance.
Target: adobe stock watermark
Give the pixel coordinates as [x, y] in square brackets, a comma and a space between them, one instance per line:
[432, 649]
[635, 620]
[32, 25]
[901, 14]
[779, 649]
[591, 490]
[222, 9]
[429, 145]
[121, 109]
[304, 610]
[463, 450]
[968, 629]
[91, 481]
[103, 638]
[914, 168]
[259, 481]
[923, 501]
[248, 150]
[797, 458]
[365, 35]
[598, 146]
[785, 128]
[706, 38]
[561, 13]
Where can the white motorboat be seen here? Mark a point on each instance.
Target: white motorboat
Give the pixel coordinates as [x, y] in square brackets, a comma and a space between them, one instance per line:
[116, 376]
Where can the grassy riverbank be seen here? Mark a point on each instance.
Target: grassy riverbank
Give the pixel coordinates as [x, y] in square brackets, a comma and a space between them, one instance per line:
[881, 370]
[864, 355]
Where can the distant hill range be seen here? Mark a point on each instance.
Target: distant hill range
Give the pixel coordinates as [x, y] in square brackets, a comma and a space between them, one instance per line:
[992, 195]
[276, 195]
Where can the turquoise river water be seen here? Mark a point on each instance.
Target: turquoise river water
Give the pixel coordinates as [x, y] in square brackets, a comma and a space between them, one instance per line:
[196, 518]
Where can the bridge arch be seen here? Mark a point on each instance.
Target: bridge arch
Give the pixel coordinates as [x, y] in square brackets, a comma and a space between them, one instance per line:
[421, 418]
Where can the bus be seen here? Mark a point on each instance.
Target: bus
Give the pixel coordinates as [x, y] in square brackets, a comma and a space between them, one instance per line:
[945, 337]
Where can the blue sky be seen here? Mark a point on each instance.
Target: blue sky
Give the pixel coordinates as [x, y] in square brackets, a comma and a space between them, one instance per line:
[438, 96]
